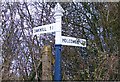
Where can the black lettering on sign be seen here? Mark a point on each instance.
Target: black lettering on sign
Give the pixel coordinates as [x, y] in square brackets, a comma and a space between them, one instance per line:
[78, 41]
[74, 41]
[36, 30]
[68, 41]
[71, 41]
[51, 27]
[39, 30]
[64, 40]
[42, 29]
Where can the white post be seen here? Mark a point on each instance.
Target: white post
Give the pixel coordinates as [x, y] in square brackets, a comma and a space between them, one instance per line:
[58, 14]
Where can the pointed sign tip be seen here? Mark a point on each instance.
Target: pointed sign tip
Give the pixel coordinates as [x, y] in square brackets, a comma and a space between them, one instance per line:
[58, 8]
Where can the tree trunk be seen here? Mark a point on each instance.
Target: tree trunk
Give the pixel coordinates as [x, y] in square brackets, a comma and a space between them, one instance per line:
[46, 63]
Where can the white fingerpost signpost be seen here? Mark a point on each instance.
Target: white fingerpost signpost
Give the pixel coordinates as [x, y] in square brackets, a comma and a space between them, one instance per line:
[71, 41]
[46, 29]
[59, 39]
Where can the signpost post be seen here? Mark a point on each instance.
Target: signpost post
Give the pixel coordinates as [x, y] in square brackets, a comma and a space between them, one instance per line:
[58, 15]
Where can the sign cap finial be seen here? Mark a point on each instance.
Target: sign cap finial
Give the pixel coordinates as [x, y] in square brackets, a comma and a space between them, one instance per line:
[58, 8]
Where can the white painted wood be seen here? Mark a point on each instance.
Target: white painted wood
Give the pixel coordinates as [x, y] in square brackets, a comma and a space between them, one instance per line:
[71, 41]
[46, 29]
[58, 17]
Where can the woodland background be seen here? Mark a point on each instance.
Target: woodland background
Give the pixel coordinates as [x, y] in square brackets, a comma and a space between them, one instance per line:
[98, 23]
